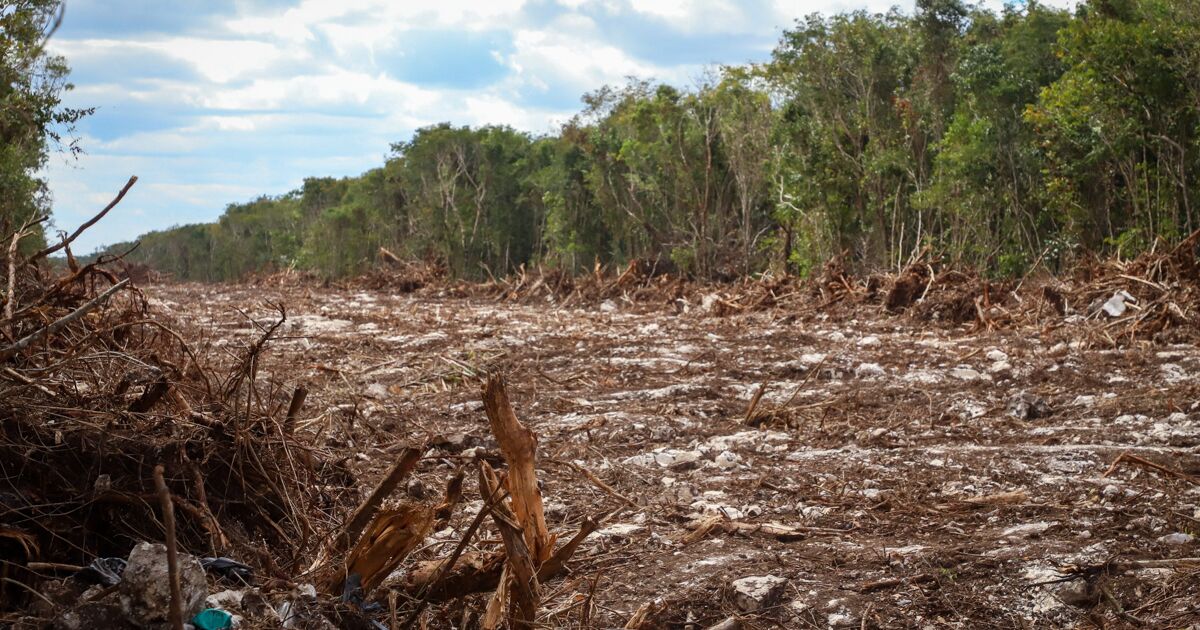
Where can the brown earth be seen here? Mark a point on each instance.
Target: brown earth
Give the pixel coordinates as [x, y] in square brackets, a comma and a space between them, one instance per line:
[909, 475]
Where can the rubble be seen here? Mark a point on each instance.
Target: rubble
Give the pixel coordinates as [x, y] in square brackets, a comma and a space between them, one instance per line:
[145, 586]
[1027, 406]
[757, 592]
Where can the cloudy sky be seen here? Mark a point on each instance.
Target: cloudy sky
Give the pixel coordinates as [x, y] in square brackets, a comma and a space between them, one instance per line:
[216, 101]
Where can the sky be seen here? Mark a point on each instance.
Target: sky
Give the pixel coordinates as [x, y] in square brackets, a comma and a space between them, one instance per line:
[211, 102]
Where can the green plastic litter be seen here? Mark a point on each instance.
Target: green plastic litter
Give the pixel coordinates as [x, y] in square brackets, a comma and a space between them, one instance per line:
[212, 619]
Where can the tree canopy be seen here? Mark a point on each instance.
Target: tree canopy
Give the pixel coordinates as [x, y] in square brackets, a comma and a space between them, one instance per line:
[995, 139]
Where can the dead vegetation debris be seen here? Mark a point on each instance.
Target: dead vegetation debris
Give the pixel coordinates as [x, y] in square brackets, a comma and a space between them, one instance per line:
[929, 447]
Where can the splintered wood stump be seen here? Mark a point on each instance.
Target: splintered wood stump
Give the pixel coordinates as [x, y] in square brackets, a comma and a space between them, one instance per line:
[363, 515]
[393, 534]
[519, 446]
[519, 576]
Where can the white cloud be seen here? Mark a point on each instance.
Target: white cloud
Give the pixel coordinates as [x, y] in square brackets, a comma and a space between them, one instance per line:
[279, 94]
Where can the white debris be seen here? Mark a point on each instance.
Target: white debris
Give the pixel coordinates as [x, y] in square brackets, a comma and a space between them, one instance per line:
[996, 356]
[1084, 401]
[758, 592]
[1173, 373]
[869, 370]
[967, 374]
[727, 459]
[1116, 305]
[620, 530]
[1178, 538]
[869, 342]
[1028, 530]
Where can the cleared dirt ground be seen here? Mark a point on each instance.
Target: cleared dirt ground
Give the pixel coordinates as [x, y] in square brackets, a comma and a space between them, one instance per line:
[909, 475]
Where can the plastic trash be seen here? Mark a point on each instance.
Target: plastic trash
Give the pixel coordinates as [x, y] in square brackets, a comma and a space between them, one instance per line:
[1116, 305]
[103, 571]
[212, 619]
[228, 569]
[352, 593]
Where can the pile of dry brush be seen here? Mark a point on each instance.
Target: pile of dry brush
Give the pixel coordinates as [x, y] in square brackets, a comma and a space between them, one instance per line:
[100, 397]
[96, 393]
[1160, 291]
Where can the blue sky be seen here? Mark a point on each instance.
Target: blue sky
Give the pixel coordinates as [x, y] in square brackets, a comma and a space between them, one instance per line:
[210, 102]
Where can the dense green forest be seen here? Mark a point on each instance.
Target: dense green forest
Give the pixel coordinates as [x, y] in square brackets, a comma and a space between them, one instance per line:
[993, 139]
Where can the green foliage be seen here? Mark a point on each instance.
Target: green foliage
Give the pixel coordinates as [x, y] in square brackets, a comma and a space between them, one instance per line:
[32, 118]
[1002, 139]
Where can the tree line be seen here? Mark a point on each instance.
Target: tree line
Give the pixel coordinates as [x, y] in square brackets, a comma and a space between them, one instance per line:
[996, 139]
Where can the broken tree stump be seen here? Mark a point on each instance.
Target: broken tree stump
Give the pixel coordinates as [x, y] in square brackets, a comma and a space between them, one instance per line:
[519, 446]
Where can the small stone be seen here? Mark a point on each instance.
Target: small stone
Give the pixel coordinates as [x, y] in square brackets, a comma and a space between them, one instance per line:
[1178, 538]
[620, 530]
[1000, 367]
[608, 306]
[965, 374]
[869, 342]
[1026, 406]
[1058, 350]
[1076, 593]
[996, 356]
[145, 586]
[1110, 491]
[1027, 530]
[758, 592]
[869, 370]
[88, 615]
[416, 489]
[727, 459]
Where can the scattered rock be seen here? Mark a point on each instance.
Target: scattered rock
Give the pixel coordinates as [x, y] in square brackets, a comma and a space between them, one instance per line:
[869, 370]
[727, 459]
[1178, 538]
[417, 489]
[145, 587]
[966, 374]
[758, 592]
[1028, 530]
[1026, 406]
[996, 356]
[89, 615]
[1078, 592]
[869, 342]
[620, 530]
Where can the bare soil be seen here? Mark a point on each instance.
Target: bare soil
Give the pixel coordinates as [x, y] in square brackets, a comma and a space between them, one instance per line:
[925, 476]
